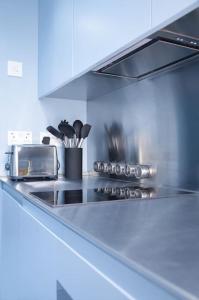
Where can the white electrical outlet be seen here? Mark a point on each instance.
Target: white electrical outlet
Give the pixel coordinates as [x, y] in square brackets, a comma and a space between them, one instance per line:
[19, 137]
[12, 138]
[15, 68]
[27, 137]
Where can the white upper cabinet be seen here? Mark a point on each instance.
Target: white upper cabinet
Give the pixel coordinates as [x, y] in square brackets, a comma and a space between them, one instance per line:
[55, 43]
[164, 10]
[102, 27]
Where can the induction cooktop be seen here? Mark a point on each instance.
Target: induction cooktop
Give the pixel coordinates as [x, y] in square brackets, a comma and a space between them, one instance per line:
[56, 198]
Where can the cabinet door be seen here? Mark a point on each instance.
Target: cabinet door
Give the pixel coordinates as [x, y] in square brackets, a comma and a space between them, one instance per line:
[55, 43]
[81, 279]
[38, 256]
[36, 264]
[10, 248]
[163, 10]
[52, 270]
[1, 201]
[102, 27]
[1, 273]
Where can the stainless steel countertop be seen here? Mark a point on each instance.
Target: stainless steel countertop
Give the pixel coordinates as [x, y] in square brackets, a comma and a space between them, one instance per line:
[158, 236]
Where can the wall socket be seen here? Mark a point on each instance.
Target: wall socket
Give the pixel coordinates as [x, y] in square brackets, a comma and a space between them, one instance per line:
[19, 137]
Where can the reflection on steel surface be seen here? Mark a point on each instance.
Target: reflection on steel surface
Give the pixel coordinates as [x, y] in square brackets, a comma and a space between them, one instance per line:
[157, 120]
[115, 141]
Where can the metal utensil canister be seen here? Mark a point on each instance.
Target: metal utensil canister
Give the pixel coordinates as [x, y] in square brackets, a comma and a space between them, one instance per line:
[73, 163]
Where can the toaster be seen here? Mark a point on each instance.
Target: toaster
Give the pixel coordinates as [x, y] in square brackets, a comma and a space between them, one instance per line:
[32, 161]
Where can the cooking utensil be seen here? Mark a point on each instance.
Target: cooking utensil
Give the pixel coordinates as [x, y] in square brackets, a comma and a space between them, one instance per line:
[62, 122]
[77, 125]
[68, 132]
[46, 140]
[61, 127]
[84, 134]
[55, 132]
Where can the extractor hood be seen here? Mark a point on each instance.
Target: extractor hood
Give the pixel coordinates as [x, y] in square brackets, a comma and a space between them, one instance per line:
[166, 49]
[174, 44]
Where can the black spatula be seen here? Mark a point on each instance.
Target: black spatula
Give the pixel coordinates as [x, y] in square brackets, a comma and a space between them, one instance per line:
[84, 134]
[68, 132]
[77, 125]
[55, 132]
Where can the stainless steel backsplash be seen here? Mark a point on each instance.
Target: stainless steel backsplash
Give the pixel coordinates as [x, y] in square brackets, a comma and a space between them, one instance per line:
[154, 121]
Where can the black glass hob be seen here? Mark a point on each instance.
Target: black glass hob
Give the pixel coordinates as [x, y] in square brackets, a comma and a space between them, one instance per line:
[109, 193]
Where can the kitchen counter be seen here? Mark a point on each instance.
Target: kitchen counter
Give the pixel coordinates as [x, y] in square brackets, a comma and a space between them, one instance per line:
[157, 237]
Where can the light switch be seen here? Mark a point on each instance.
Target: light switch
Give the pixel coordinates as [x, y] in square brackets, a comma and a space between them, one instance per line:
[15, 68]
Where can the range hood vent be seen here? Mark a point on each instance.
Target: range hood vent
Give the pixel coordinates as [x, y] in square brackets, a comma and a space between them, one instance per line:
[156, 55]
[169, 47]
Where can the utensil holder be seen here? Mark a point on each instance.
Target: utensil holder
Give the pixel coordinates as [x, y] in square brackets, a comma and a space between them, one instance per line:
[73, 163]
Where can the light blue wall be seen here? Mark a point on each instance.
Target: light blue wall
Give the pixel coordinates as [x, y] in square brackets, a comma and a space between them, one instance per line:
[20, 108]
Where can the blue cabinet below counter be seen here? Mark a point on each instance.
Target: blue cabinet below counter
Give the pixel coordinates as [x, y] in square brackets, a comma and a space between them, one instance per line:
[36, 263]
[48, 262]
[43, 258]
[10, 247]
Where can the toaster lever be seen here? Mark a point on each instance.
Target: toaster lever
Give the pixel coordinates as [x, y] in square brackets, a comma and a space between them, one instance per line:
[7, 165]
